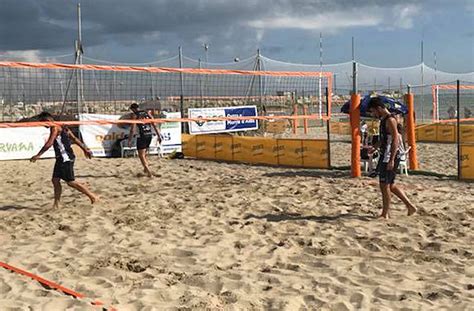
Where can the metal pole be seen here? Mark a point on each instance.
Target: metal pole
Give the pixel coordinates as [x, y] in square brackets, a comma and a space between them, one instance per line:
[458, 122]
[260, 82]
[206, 48]
[354, 77]
[252, 79]
[320, 108]
[206, 60]
[181, 97]
[354, 69]
[79, 59]
[436, 83]
[200, 82]
[422, 83]
[114, 85]
[328, 127]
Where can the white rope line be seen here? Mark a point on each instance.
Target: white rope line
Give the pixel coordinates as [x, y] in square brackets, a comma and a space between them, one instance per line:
[298, 64]
[133, 64]
[251, 58]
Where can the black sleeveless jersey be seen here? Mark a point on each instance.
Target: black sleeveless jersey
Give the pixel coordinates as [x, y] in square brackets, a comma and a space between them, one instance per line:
[62, 147]
[144, 130]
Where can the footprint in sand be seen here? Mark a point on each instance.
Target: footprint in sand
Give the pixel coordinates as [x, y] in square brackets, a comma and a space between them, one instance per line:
[4, 288]
[358, 300]
[385, 294]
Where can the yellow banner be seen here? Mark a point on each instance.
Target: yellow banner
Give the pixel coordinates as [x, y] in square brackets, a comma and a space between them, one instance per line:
[345, 128]
[258, 150]
[189, 145]
[290, 152]
[446, 133]
[205, 147]
[315, 153]
[466, 132]
[223, 148]
[334, 128]
[467, 162]
[426, 132]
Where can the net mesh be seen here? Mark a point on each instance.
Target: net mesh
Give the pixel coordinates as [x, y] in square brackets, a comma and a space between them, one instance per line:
[62, 89]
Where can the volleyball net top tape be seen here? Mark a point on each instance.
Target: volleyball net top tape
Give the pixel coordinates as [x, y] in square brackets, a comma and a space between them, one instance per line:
[57, 66]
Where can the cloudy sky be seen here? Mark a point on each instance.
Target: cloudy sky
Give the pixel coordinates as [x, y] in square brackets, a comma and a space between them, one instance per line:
[387, 32]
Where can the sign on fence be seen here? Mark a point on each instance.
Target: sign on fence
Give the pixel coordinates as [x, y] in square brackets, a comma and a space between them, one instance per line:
[23, 143]
[171, 134]
[208, 127]
[101, 138]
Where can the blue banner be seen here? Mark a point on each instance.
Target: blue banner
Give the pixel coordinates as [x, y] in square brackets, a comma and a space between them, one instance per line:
[241, 124]
[209, 127]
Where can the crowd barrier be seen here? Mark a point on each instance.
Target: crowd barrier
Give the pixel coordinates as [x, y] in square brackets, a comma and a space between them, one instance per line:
[435, 133]
[444, 133]
[467, 162]
[340, 128]
[311, 153]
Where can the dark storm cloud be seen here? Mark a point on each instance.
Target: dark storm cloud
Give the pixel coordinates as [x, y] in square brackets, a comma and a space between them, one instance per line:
[51, 24]
[138, 30]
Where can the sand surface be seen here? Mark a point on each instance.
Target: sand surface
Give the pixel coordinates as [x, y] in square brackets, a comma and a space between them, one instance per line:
[217, 236]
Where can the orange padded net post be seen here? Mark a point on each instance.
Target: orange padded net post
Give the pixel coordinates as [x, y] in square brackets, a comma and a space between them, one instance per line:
[411, 131]
[354, 113]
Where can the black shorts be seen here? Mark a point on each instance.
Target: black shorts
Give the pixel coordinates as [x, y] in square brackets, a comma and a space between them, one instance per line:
[385, 176]
[143, 142]
[64, 170]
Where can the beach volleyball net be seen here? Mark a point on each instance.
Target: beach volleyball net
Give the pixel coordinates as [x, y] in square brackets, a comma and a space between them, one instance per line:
[444, 98]
[86, 96]
[446, 133]
[27, 89]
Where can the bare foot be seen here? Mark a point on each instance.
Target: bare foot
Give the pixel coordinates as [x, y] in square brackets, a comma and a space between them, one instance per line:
[94, 199]
[411, 210]
[55, 205]
[384, 216]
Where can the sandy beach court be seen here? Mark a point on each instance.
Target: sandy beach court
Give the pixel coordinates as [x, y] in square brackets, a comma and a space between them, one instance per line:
[219, 236]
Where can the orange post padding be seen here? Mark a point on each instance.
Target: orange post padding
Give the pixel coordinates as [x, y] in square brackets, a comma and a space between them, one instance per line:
[295, 121]
[305, 121]
[411, 131]
[354, 113]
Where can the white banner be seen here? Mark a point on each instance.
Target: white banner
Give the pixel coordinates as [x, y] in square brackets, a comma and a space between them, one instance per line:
[101, 138]
[208, 127]
[23, 142]
[171, 134]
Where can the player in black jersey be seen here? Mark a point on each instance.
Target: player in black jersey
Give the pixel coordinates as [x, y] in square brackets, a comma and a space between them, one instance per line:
[389, 156]
[60, 138]
[145, 135]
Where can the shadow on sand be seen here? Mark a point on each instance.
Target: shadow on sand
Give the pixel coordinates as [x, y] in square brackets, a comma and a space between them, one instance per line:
[321, 219]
